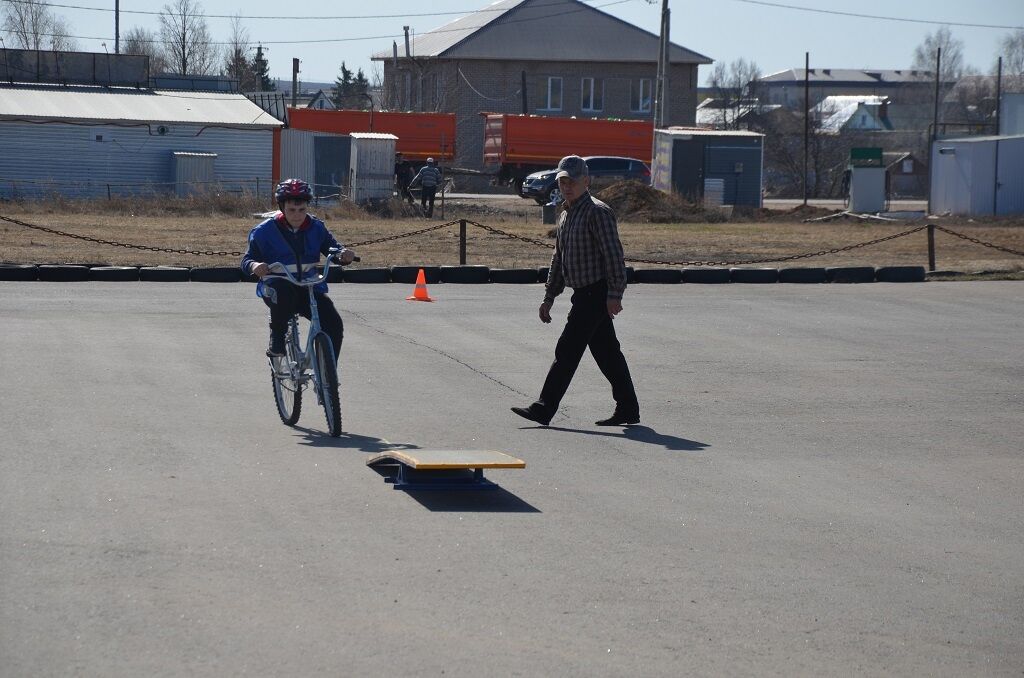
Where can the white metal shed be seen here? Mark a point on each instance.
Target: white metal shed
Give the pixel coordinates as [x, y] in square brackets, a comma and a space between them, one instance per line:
[978, 176]
[372, 166]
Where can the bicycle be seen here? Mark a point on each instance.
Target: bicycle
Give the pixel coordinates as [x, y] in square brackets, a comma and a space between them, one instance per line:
[294, 371]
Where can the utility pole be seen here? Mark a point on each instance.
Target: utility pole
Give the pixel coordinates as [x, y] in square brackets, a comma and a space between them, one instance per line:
[660, 108]
[807, 115]
[295, 82]
[117, 26]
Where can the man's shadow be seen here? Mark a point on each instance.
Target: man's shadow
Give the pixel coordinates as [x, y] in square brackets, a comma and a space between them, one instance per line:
[642, 434]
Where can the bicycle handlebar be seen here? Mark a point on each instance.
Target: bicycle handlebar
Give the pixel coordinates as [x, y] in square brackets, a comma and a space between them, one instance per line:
[282, 271]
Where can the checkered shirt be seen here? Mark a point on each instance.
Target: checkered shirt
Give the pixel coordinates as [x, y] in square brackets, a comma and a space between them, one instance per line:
[587, 250]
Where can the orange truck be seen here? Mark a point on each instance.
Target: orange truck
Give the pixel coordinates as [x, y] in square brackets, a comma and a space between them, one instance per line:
[420, 135]
[518, 145]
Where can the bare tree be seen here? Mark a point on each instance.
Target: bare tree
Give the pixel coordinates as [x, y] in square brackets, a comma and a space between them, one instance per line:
[34, 26]
[734, 88]
[145, 42]
[186, 39]
[1012, 51]
[237, 64]
[952, 66]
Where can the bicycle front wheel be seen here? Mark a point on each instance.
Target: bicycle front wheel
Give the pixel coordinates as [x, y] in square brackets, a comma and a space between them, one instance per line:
[327, 381]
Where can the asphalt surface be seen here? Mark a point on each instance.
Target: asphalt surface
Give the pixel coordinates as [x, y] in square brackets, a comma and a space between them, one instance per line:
[827, 481]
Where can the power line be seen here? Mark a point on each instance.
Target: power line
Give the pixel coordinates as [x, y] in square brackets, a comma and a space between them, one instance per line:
[958, 24]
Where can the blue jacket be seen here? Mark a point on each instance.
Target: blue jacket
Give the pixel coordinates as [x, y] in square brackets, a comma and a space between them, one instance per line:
[273, 240]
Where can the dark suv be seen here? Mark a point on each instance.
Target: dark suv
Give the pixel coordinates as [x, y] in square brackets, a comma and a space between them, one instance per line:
[604, 170]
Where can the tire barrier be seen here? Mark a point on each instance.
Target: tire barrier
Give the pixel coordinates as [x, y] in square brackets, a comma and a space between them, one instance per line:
[706, 276]
[515, 276]
[407, 274]
[850, 274]
[114, 273]
[335, 275]
[542, 274]
[367, 275]
[900, 274]
[63, 273]
[802, 274]
[466, 275]
[757, 276]
[16, 272]
[216, 274]
[663, 276]
[163, 274]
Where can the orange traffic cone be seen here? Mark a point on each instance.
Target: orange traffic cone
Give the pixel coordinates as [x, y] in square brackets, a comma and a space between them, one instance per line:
[420, 293]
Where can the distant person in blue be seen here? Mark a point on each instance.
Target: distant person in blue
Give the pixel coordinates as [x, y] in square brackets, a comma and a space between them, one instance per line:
[297, 240]
[428, 179]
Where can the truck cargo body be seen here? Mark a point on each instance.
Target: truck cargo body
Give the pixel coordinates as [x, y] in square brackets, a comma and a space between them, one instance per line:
[518, 145]
[420, 135]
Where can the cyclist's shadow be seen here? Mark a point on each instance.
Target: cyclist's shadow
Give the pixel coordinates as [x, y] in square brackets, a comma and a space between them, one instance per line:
[353, 441]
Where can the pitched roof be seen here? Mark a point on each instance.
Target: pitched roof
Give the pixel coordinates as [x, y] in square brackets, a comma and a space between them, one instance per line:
[542, 30]
[836, 111]
[112, 105]
[847, 75]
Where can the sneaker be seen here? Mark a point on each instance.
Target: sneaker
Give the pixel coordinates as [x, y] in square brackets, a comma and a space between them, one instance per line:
[276, 348]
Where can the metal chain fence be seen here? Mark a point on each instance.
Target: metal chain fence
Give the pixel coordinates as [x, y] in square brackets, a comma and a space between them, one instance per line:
[532, 241]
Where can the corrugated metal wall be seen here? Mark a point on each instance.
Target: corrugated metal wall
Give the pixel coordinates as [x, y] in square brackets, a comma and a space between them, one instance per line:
[321, 158]
[1010, 196]
[372, 169]
[101, 160]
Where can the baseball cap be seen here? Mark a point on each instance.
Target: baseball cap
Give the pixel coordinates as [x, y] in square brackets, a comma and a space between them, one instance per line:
[430, 160]
[572, 166]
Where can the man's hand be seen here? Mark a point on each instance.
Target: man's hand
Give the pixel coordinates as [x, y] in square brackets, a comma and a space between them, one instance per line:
[545, 312]
[614, 307]
[260, 270]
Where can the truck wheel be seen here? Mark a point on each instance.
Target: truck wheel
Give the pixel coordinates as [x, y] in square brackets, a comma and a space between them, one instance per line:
[517, 186]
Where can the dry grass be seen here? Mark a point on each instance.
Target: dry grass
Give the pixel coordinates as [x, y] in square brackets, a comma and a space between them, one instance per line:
[221, 223]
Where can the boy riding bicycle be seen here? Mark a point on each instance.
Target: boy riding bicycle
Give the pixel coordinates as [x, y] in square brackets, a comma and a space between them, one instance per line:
[296, 239]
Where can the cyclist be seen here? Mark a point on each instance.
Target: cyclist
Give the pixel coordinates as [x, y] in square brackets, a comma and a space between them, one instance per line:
[296, 239]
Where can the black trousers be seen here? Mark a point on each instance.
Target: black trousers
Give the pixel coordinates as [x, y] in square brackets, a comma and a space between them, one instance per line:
[291, 300]
[589, 326]
[403, 192]
[427, 194]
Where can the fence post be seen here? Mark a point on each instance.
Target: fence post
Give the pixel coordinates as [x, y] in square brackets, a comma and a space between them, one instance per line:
[931, 247]
[462, 242]
[108, 192]
[257, 186]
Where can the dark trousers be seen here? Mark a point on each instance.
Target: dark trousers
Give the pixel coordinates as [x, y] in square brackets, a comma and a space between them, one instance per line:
[588, 326]
[427, 194]
[291, 300]
[403, 192]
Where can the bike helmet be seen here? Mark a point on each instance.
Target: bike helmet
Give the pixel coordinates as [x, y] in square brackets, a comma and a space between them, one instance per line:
[293, 189]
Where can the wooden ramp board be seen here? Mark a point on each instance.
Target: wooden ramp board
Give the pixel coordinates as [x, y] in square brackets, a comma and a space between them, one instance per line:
[440, 469]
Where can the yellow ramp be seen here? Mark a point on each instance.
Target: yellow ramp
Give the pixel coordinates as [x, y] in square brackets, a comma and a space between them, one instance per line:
[441, 469]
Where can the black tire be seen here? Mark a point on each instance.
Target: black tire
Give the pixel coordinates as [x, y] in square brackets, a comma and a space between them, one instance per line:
[12, 272]
[216, 274]
[63, 273]
[114, 273]
[754, 275]
[665, 276]
[367, 275]
[163, 274]
[900, 274]
[287, 393]
[850, 274]
[802, 274]
[542, 273]
[519, 276]
[466, 275]
[326, 369]
[407, 274]
[706, 276]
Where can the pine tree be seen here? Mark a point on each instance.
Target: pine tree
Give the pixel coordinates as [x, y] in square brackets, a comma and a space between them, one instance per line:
[361, 89]
[342, 87]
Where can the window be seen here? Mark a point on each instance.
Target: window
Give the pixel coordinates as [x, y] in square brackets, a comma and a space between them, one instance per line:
[640, 95]
[554, 102]
[592, 94]
[908, 167]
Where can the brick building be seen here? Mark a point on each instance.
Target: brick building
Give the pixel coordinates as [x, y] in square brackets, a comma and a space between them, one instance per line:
[574, 60]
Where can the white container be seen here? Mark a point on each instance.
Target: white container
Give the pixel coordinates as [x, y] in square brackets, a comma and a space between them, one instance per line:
[371, 166]
[193, 172]
[867, 189]
[978, 176]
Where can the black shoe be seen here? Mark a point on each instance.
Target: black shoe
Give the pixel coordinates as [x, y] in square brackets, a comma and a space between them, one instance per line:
[619, 420]
[276, 348]
[532, 415]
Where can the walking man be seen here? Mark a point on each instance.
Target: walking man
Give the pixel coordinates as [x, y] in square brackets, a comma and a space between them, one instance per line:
[588, 258]
[402, 178]
[428, 179]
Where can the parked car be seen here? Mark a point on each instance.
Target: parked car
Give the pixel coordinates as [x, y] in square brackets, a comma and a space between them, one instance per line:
[604, 170]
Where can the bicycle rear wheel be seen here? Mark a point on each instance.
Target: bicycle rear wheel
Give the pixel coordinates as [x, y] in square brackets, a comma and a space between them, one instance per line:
[287, 391]
[327, 381]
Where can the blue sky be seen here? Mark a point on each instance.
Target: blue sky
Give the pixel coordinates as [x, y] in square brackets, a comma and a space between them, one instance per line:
[774, 37]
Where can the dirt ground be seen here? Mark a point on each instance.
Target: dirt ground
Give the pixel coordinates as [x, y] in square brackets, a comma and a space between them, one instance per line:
[654, 228]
